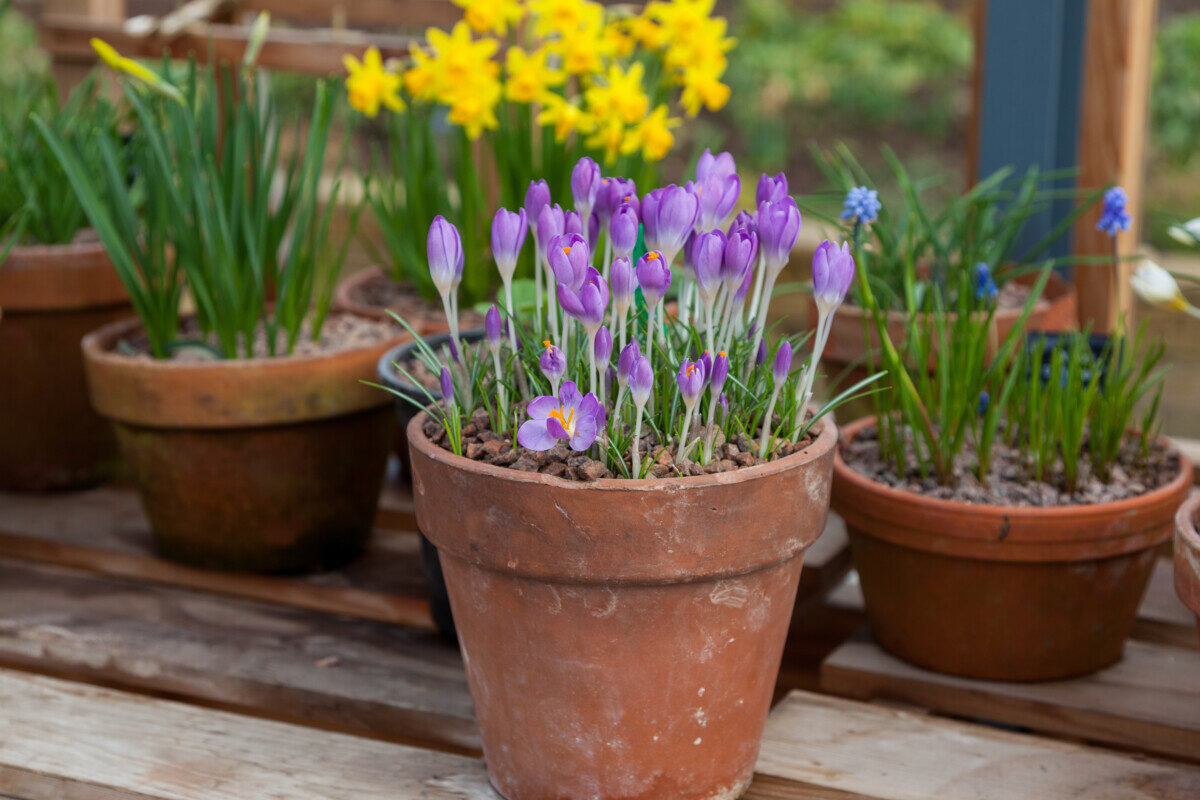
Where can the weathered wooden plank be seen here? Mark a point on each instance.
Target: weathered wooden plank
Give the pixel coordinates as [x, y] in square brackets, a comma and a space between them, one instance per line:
[364, 677]
[103, 530]
[1149, 701]
[888, 754]
[67, 740]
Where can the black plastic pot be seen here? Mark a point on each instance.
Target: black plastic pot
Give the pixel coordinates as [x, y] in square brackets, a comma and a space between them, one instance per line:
[1050, 341]
[439, 600]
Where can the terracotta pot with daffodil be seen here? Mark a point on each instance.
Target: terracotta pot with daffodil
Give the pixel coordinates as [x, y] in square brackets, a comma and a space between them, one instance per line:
[518, 89]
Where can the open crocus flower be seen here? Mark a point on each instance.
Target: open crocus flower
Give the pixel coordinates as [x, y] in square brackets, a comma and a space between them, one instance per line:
[587, 303]
[571, 416]
[1158, 287]
[1188, 233]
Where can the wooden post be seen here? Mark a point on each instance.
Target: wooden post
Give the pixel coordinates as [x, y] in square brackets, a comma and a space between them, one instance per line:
[1112, 136]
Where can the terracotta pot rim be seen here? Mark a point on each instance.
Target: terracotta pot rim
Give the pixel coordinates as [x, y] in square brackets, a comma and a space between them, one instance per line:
[1185, 521]
[229, 393]
[825, 441]
[1187, 555]
[341, 290]
[44, 249]
[60, 277]
[1010, 513]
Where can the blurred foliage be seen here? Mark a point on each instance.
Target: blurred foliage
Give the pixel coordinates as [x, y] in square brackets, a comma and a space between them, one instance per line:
[862, 63]
[20, 58]
[1175, 103]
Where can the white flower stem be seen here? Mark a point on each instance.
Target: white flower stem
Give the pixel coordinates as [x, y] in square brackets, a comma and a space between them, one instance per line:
[502, 392]
[766, 425]
[713, 402]
[681, 450]
[637, 437]
[537, 274]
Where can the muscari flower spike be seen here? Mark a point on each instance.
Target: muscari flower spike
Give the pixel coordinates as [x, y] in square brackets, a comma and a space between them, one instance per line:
[985, 288]
[1115, 217]
[861, 205]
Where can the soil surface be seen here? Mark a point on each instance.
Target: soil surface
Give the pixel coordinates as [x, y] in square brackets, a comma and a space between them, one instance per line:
[340, 332]
[481, 443]
[382, 292]
[1009, 482]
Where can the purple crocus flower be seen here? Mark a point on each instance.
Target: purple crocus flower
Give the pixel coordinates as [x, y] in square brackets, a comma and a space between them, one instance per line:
[553, 363]
[585, 185]
[444, 248]
[721, 165]
[593, 227]
[603, 346]
[783, 363]
[572, 223]
[623, 229]
[706, 361]
[508, 235]
[778, 230]
[641, 381]
[1114, 218]
[760, 357]
[587, 303]
[720, 371]
[569, 257]
[717, 187]
[447, 385]
[537, 197]
[613, 192]
[690, 380]
[744, 220]
[493, 328]
[626, 362]
[622, 282]
[741, 250]
[654, 276]
[551, 222]
[571, 416]
[771, 188]
[708, 257]
[669, 216]
[832, 273]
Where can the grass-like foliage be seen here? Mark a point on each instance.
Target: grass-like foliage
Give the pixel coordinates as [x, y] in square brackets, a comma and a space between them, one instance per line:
[226, 205]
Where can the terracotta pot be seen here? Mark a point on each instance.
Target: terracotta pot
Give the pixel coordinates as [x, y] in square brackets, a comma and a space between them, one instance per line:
[424, 315]
[50, 438]
[1001, 592]
[1187, 556]
[265, 464]
[621, 637]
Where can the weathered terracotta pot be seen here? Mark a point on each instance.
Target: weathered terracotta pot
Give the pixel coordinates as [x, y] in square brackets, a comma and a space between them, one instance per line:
[50, 438]
[621, 637]
[265, 465]
[1000, 592]
[425, 317]
[1187, 556]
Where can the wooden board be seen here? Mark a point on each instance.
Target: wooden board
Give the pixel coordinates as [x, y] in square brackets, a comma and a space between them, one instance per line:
[360, 676]
[1149, 701]
[66, 740]
[867, 751]
[103, 530]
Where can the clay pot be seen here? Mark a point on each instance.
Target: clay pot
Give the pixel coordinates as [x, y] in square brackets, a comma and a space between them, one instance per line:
[847, 346]
[264, 464]
[621, 637]
[423, 315]
[1187, 556]
[50, 438]
[1000, 592]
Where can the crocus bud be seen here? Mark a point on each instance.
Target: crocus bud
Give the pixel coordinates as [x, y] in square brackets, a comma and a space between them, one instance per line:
[708, 256]
[588, 303]
[706, 360]
[641, 381]
[572, 223]
[585, 185]
[741, 250]
[447, 386]
[1158, 287]
[833, 272]
[724, 401]
[744, 220]
[1188, 233]
[550, 223]
[493, 328]
[604, 345]
[444, 248]
[690, 380]
[669, 216]
[552, 362]
[760, 357]
[508, 234]
[593, 227]
[708, 165]
[718, 194]
[622, 282]
[569, 257]
[778, 230]
[773, 189]
[783, 363]
[654, 276]
[720, 371]
[626, 362]
[623, 229]
[613, 192]
[537, 197]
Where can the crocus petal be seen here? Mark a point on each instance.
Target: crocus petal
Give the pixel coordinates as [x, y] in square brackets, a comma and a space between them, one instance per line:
[585, 433]
[569, 396]
[540, 407]
[534, 435]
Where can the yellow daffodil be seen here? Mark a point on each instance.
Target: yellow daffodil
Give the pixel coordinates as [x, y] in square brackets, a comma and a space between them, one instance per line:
[369, 85]
[620, 95]
[564, 17]
[419, 79]
[135, 70]
[491, 16]
[566, 116]
[618, 38]
[473, 107]
[652, 136]
[609, 136]
[529, 76]
[458, 59]
[647, 32]
[702, 89]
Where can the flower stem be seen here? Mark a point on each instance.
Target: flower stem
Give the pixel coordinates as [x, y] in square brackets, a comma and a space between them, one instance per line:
[637, 437]
[681, 450]
[766, 425]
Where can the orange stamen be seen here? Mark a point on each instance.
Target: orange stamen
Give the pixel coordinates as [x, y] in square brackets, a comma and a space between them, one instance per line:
[723, 353]
[565, 422]
[567, 250]
[652, 255]
[549, 344]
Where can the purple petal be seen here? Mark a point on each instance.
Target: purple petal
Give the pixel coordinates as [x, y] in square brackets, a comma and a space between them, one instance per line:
[540, 407]
[569, 396]
[533, 435]
[585, 433]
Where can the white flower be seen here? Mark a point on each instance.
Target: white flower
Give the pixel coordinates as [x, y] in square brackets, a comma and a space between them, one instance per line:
[1158, 287]
[1188, 233]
